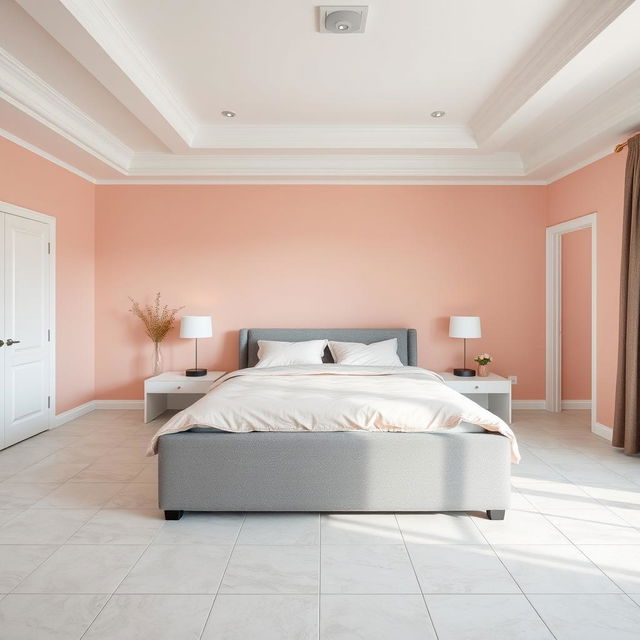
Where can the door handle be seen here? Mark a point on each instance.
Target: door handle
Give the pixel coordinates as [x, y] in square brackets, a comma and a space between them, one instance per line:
[10, 342]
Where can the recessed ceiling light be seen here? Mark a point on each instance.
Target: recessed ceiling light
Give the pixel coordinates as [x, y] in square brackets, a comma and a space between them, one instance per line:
[438, 114]
[228, 114]
[350, 19]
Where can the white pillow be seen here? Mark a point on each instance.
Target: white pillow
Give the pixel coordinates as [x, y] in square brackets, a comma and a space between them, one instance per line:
[281, 354]
[377, 354]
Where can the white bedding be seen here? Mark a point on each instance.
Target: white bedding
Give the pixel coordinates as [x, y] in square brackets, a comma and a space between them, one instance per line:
[332, 397]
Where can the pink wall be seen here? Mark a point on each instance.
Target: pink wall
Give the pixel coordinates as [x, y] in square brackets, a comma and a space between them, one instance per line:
[598, 187]
[314, 256]
[28, 180]
[576, 315]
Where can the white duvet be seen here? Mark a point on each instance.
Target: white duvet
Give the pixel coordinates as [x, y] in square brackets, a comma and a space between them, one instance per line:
[332, 397]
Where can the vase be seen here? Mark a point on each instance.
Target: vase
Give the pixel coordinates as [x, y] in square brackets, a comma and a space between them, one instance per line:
[157, 359]
[483, 370]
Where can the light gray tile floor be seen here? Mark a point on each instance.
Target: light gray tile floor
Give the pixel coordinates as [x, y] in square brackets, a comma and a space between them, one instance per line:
[85, 552]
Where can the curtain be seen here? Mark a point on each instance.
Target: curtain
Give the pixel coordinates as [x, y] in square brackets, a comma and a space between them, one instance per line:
[626, 428]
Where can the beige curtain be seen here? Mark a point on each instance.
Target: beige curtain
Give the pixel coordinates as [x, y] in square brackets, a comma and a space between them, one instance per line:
[626, 428]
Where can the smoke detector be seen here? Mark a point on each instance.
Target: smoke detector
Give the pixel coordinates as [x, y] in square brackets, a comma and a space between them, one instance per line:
[343, 19]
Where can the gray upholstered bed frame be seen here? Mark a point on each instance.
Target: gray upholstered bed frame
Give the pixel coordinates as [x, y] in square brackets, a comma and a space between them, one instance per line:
[350, 471]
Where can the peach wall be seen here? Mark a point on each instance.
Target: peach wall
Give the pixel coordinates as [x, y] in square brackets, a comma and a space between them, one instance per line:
[599, 187]
[576, 315]
[30, 181]
[314, 256]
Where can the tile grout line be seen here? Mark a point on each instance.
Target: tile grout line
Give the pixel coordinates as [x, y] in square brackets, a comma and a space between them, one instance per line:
[415, 573]
[226, 566]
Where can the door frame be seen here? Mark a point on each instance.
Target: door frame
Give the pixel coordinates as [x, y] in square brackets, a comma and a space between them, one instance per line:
[14, 209]
[553, 400]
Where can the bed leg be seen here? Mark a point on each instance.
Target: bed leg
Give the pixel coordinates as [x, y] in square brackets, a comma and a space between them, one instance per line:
[495, 514]
[176, 515]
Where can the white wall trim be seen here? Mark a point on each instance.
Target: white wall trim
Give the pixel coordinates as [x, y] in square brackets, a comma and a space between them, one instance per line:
[119, 404]
[603, 431]
[28, 92]
[554, 310]
[534, 405]
[73, 414]
[579, 24]
[576, 404]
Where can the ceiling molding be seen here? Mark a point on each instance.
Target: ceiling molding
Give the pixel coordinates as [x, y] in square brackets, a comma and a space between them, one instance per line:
[47, 156]
[610, 113]
[605, 151]
[334, 181]
[574, 30]
[97, 18]
[26, 91]
[333, 137]
[327, 165]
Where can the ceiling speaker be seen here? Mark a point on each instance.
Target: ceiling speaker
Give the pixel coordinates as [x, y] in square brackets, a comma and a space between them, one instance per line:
[343, 19]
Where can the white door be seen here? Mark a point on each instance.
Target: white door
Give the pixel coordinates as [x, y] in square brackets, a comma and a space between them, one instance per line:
[27, 346]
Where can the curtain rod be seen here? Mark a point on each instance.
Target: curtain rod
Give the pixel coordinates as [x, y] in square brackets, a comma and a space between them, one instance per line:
[619, 147]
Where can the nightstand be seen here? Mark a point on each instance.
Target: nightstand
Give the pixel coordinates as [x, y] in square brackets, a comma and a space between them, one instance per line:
[492, 392]
[174, 390]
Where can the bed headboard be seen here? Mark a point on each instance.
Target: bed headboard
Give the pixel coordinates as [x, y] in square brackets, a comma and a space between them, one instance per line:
[407, 341]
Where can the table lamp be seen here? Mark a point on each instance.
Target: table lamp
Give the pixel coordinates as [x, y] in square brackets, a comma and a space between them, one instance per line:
[195, 327]
[464, 327]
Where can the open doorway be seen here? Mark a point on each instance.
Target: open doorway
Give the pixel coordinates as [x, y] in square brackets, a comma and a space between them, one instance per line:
[571, 318]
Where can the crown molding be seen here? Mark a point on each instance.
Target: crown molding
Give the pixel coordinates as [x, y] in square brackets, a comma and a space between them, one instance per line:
[47, 156]
[580, 23]
[231, 181]
[333, 137]
[610, 112]
[26, 91]
[327, 165]
[101, 23]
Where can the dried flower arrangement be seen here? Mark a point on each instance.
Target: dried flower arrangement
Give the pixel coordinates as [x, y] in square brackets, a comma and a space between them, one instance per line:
[157, 319]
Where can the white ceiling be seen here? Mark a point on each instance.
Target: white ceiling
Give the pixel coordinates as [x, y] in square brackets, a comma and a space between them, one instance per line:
[124, 91]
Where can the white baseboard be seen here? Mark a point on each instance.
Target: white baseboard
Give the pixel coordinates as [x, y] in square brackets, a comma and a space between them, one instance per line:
[528, 404]
[603, 431]
[119, 404]
[72, 414]
[92, 405]
[576, 404]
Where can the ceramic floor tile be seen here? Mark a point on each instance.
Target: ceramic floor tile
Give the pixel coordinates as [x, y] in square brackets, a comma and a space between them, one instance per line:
[460, 569]
[485, 617]
[135, 496]
[9, 514]
[151, 617]
[178, 569]
[120, 526]
[48, 471]
[17, 495]
[360, 528]
[18, 561]
[256, 569]
[202, 528]
[47, 617]
[621, 564]
[82, 569]
[375, 617]
[589, 617]
[520, 527]
[280, 528]
[72, 495]
[109, 472]
[597, 525]
[44, 526]
[554, 569]
[367, 569]
[439, 528]
[272, 617]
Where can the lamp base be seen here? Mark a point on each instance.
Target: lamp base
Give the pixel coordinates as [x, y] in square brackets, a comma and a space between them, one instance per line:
[194, 373]
[465, 373]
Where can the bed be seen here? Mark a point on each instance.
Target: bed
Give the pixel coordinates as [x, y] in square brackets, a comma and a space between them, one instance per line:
[351, 471]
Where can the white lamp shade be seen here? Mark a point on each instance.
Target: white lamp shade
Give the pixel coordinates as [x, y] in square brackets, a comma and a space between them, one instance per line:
[195, 327]
[464, 327]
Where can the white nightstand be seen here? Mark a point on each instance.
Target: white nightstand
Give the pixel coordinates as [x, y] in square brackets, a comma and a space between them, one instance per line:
[492, 392]
[173, 390]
